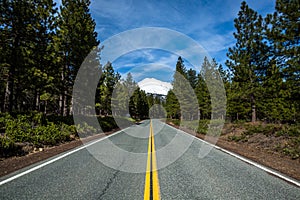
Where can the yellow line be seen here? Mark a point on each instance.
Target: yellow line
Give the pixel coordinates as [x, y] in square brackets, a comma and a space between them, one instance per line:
[151, 162]
[147, 179]
[156, 191]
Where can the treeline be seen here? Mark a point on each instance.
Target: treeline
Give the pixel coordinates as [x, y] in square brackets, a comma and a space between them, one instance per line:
[262, 78]
[190, 98]
[42, 48]
[121, 98]
[124, 98]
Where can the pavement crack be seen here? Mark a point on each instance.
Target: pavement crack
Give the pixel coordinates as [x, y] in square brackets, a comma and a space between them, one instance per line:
[111, 180]
[109, 183]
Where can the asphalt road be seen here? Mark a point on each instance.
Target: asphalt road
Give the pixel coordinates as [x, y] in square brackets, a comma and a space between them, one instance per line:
[105, 170]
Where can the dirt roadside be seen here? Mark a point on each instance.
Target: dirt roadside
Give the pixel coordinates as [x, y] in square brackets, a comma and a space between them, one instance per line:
[271, 159]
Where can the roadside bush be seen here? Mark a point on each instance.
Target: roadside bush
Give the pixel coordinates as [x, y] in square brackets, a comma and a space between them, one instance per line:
[238, 138]
[202, 126]
[292, 148]
[18, 130]
[8, 147]
[268, 129]
[33, 128]
[84, 130]
[289, 130]
[174, 121]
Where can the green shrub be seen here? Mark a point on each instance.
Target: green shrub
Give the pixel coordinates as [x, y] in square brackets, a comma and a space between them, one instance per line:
[289, 131]
[240, 138]
[8, 147]
[51, 134]
[18, 130]
[174, 121]
[85, 130]
[268, 129]
[202, 126]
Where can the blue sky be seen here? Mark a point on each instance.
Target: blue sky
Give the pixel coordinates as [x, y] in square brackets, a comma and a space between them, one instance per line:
[209, 22]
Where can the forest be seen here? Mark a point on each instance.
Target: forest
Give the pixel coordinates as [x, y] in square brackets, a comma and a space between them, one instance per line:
[43, 46]
[262, 73]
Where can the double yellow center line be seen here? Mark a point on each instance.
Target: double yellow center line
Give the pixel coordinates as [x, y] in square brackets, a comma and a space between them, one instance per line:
[151, 183]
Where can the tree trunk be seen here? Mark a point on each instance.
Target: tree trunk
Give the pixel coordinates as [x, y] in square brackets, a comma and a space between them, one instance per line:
[253, 107]
[62, 96]
[45, 111]
[9, 90]
[67, 104]
[37, 101]
[61, 103]
[8, 97]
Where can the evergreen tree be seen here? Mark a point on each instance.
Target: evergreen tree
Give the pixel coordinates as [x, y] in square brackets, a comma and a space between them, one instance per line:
[172, 106]
[42, 54]
[75, 39]
[180, 68]
[184, 92]
[192, 77]
[16, 17]
[138, 105]
[119, 100]
[26, 32]
[106, 88]
[275, 106]
[248, 58]
[284, 36]
[203, 93]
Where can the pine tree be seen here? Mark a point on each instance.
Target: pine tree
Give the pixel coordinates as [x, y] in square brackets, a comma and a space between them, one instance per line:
[202, 92]
[172, 106]
[284, 38]
[180, 68]
[248, 58]
[106, 88]
[192, 77]
[138, 105]
[275, 106]
[119, 100]
[184, 92]
[16, 17]
[216, 90]
[76, 38]
[26, 28]
[43, 69]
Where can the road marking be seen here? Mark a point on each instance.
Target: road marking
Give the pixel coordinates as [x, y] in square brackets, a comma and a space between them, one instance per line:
[270, 171]
[57, 158]
[156, 191]
[147, 179]
[152, 191]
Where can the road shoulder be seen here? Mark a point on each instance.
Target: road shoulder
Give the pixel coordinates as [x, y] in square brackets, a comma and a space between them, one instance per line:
[271, 160]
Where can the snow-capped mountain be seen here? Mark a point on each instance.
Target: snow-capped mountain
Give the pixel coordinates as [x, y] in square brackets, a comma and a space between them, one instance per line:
[154, 86]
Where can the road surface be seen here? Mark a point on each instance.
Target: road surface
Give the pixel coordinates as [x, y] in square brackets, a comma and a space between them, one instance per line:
[150, 175]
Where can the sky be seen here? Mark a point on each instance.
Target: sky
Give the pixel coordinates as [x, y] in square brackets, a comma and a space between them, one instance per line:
[208, 22]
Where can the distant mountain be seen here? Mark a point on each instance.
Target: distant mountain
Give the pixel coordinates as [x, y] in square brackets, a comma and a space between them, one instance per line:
[154, 86]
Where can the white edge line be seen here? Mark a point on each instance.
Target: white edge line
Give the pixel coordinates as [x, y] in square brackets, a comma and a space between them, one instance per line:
[273, 172]
[57, 158]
